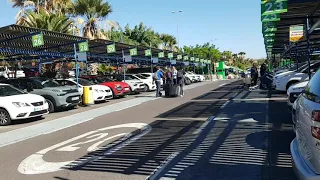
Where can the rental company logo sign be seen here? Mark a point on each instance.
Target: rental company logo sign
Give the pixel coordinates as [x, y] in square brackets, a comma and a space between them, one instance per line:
[296, 33]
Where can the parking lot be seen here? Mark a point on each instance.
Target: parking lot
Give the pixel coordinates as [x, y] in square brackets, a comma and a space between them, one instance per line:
[216, 131]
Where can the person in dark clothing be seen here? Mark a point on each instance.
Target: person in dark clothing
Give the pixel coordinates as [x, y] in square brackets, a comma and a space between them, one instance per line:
[157, 78]
[254, 74]
[180, 80]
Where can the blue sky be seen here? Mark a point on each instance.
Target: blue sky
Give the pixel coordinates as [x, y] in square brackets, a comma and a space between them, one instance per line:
[233, 25]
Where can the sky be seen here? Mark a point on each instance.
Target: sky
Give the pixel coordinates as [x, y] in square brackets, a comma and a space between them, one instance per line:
[229, 24]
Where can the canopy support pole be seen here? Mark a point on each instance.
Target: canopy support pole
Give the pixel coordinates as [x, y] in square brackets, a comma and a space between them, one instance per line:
[308, 46]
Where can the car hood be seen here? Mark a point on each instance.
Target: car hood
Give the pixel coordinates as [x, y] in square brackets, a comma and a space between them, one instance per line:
[61, 88]
[25, 98]
[122, 84]
[100, 87]
[299, 87]
[283, 74]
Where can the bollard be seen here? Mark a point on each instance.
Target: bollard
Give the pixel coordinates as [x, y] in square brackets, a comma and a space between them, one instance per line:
[87, 96]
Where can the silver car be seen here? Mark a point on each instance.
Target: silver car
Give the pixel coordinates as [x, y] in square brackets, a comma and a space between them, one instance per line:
[305, 148]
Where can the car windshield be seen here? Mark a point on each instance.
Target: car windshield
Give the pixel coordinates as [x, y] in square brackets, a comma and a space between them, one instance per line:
[46, 82]
[140, 76]
[145, 75]
[85, 82]
[129, 77]
[104, 79]
[7, 90]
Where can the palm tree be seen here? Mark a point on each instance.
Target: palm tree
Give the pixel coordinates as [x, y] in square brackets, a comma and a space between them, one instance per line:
[46, 20]
[168, 42]
[93, 11]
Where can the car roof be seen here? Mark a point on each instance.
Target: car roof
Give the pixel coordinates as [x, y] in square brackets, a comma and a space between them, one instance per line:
[2, 84]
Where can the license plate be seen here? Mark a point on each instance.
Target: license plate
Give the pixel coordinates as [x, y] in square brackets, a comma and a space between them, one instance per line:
[75, 98]
[127, 89]
[38, 109]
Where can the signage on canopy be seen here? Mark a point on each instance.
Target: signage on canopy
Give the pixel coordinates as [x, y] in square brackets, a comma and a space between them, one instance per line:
[37, 40]
[111, 48]
[147, 52]
[296, 33]
[133, 52]
[83, 47]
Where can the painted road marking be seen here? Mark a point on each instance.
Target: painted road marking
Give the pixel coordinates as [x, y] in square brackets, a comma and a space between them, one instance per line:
[203, 126]
[223, 84]
[48, 127]
[225, 104]
[163, 165]
[35, 164]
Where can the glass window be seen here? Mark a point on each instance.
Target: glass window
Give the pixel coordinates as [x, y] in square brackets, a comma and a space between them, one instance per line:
[6, 90]
[140, 76]
[85, 82]
[146, 75]
[312, 91]
[129, 77]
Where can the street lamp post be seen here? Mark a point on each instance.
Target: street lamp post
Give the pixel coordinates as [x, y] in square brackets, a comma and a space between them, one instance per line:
[177, 12]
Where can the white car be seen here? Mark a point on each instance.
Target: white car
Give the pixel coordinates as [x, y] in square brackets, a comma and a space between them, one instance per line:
[284, 80]
[149, 84]
[17, 104]
[294, 91]
[149, 76]
[196, 77]
[100, 92]
[135, 84]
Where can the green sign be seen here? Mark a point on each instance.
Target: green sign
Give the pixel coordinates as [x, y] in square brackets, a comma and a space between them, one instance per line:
[83, 47]
[170, 55]
[37, 40]
[133, 52]
[186, 58]
[274, 7]
[161, 54]
[269, 35]
[148, 52]
[201, 60]
[192, 59]
[179, 57]
[197, 59]
[269, 27]
[270, 18]
[111, 48]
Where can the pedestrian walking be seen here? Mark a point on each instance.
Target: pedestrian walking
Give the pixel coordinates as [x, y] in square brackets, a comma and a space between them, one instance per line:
[174, 75]
[254, 74]
[157, 78]
[180, 80]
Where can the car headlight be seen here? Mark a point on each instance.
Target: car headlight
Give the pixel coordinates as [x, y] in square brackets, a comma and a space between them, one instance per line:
[20, 104]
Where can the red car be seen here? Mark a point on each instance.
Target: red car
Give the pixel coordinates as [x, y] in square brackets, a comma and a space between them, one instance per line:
[119, 89]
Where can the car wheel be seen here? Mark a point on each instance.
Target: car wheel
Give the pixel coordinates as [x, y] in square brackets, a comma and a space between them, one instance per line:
[290, 84]
[5, 118]
[146, 88]
[51, 106]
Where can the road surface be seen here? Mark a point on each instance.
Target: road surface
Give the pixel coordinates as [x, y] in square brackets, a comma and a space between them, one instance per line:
[216, 131]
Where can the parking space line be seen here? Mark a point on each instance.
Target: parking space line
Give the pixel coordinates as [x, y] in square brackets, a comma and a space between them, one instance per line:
[203, 126]
[162, 166]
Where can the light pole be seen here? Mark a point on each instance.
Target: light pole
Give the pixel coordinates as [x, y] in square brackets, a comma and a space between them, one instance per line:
[177, 13]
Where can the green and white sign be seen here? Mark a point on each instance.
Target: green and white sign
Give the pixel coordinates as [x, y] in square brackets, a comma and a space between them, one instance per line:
[273, 7]
[186, 58]
[179, 57]
[192, 59]
[197, 60]
[269, 27]
[270, 18]
[111, 48]
[83, 47]
[133, 52]
[147, 52]
[201, 60]
[161, 54]
[170, 55]
[37, 40]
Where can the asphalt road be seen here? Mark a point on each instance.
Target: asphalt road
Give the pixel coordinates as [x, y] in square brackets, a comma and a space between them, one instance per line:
[216, 131]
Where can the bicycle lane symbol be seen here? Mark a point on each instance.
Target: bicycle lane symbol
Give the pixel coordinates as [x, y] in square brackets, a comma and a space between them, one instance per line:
[35, 164]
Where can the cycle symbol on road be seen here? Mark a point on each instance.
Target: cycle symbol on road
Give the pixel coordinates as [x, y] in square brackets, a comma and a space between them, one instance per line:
[35, 164]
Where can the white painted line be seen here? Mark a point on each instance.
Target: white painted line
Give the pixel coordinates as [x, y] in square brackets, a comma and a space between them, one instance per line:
[163, 165]
[203, 126]
[35, 163]
[225, 104]
[223, 84]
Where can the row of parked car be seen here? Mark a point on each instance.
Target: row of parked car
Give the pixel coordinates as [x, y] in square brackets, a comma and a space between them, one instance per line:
[303, 99]
[22, 98]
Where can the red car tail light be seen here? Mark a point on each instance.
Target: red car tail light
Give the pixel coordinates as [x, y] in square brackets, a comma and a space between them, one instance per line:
[315, 116]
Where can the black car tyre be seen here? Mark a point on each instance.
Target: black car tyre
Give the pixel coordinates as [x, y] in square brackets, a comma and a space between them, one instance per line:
[5, 118]
[51, 108]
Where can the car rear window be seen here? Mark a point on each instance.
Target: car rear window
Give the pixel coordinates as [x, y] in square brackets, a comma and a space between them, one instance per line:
[312, 91]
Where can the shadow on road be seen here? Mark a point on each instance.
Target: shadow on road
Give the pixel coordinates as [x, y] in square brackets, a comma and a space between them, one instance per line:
[239, 144]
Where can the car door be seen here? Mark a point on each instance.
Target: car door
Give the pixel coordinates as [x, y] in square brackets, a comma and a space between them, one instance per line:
[308, 127]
